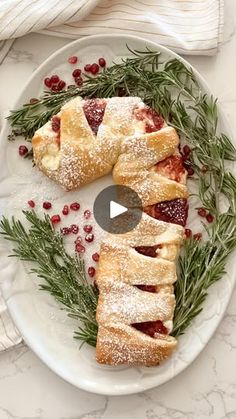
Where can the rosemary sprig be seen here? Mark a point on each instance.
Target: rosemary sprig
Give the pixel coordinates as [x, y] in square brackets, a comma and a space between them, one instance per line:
[63, 275]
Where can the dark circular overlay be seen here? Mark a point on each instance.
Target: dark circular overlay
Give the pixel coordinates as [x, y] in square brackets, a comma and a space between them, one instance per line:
[124, 196]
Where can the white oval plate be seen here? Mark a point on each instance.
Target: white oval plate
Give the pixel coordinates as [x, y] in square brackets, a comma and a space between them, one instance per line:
[46, 328]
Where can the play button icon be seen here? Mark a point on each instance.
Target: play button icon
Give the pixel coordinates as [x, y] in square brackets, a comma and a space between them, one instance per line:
[117, 209]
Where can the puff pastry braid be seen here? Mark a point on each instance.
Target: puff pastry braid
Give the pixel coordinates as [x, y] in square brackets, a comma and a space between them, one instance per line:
[137, 270]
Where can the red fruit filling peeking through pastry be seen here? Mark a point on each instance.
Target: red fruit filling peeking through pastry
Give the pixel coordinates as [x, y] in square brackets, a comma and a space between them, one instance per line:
[172, 168]
[174, 211]
[151, 328]
[148, 250]
[153, 121]
[94, 111]
[56, 126]
[148, 288]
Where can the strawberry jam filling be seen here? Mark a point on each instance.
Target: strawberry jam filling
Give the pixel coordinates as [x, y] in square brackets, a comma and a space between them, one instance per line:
[151, 328]
[94, 111]
[153, 121]
[149, 251]
[174, 211]
[172, 168]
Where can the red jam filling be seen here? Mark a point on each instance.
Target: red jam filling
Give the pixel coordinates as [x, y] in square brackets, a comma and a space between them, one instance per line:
[56, 126]
[153, 121]
[172, 167]
[174, 211]
[147, 288]
[150, 328]
[148, 250]
[94, 111]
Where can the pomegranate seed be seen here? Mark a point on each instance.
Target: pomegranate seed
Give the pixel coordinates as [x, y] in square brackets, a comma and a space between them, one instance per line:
[48, 82]
[65, 231]
[56, 123]
[102, 62]
[201, 212]
[121, 92]
[204, 169]
[95, 257]
[65, 210]
[74, 229]
[87, 67]
[88, 228]
[210, 218]
[55, 219]
[47, 205]
[73, 59]
[78, 240]
[33, 100]
[75, 206]
[87, 214]
[91, 271]
[79, 81]
[94, 68]
[188, 232]
[31, 203]
[197, 236]
[55, 79]
[187, 150]
[76, 72]
[54, 88]
[89, 237]
[61, 85]
[23, 150]
[79, 248]
[190, 171]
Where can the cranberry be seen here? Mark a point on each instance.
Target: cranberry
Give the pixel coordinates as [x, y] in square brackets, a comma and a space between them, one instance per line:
[23, 150]
[76, 72]
[201, 212]
[75, 206]
[87, 67]
[65, 231]
[197, 236]
[33, 100]
[65, 210]
[87, 214]
[89, 237]
[47, 205]
[79, 81]
[95, 257]
[94, 69]
[79, 248]
[48, 82]
[190, 171]
[210, 218]
[56, 123]
[55, 219]
[31, 203]
[187, 150]
[61, 85]
[102, 62]
[91, 271]
[74, 228]
[88, 228]
[55, 79]
[78, 240]
[188, 232]
[73, 59]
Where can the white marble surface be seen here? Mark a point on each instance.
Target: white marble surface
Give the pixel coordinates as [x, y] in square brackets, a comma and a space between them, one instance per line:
[29, 390]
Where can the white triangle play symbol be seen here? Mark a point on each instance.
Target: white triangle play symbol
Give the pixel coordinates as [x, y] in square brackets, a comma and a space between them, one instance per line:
[116, 209]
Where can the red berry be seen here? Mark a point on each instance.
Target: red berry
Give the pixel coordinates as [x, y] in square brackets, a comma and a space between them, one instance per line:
[73, 59]
[87, 214]
[89, 237]
[74, 229]
[87, 67]
[75, 206]
[91, 271]
[56, 123]
[33, 100]
[54, 88]
[47, 205]
[65, 210]
[190, 171]
[76, 72]
[210, 218]
[102, 62]
[55, 219]
[121, 92]
[188, 232]
[23, 150]
[31, 203]
[79, 248]
[95, 257]
[197, 236]
[94, 68]
[78, 240]
[88, 228]
[55, 79]
[48, 82]
[79, 81]
[61, 85]
[187, 150]
[65, 231]
[201, 212]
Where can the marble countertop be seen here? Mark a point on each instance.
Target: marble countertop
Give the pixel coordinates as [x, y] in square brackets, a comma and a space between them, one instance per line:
[29, 390]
